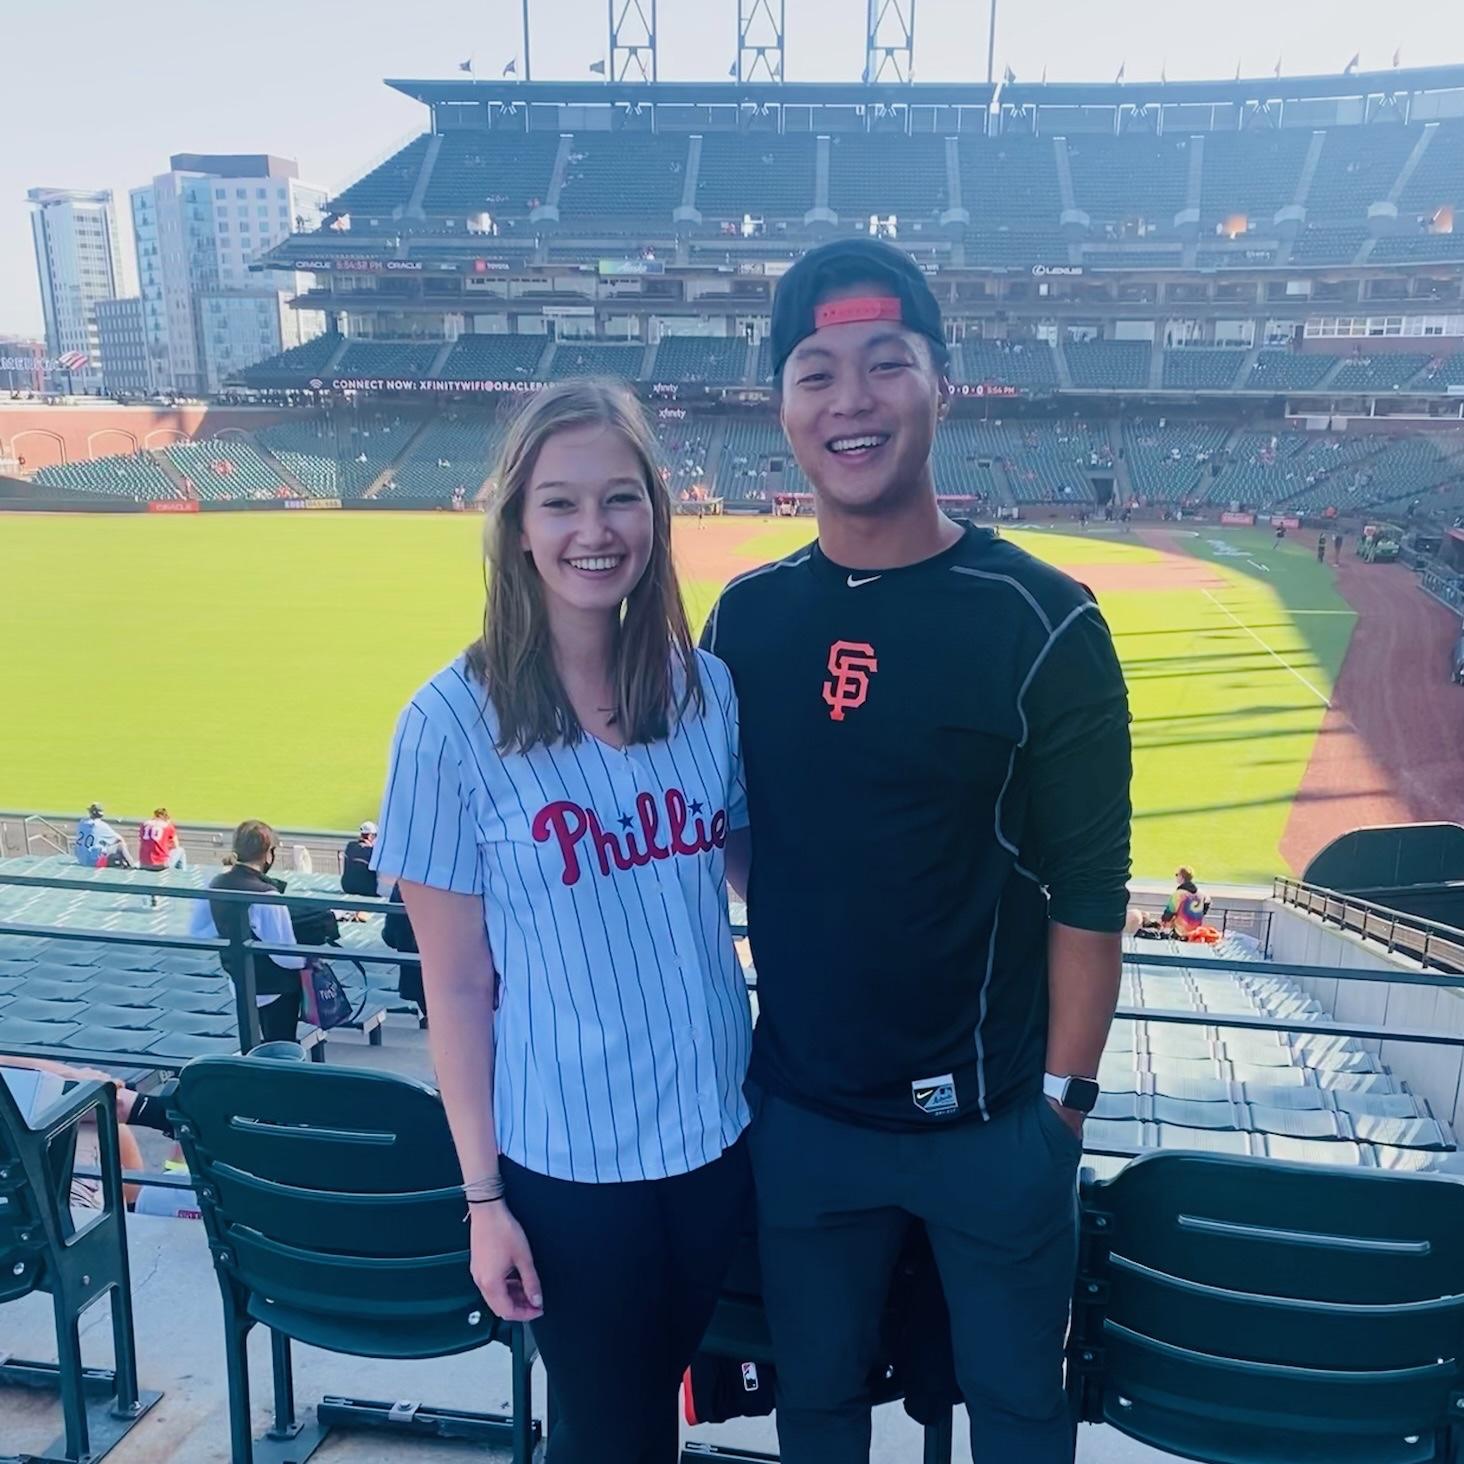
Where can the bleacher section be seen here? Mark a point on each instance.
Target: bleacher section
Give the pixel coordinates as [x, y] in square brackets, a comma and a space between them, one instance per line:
[501, 173]
[1170, 464]
[1251, 174]
[685, 445]
[1390, 372]
[1282, 370]
[1442, 372]
[1199, 368]
[624, 173]
[1045, 462]
[1418, 249]
[705, 360]
[449, 452]
[1290, 1095]
[307, 448]
[749, 445]
[387, 358]
[127, 475]
[1438, 180]
[1129, 178]
[1266, 469]
[904, 176]
[963, 459]
[1358, 167]
[1109, 365]
[1403, 470]
[222, 468]
[296, 365]
[593, 358]
[766, 176]
[494, 358]
[388, 186]
[1009, 363]
[1328, 244]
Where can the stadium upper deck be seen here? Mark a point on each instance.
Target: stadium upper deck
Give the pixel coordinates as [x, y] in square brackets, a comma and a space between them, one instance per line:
[1276, 225]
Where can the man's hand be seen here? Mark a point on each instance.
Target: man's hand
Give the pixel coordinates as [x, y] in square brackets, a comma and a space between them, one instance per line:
[1070, 1116]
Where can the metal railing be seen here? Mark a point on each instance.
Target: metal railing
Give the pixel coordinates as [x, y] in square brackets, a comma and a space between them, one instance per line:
[247, 1017]
[1426, 941]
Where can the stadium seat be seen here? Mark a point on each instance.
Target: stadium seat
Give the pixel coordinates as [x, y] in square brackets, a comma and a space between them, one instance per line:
[596, 358]
[387, 187]
[704, 360]
[43, 1249]
[1242, 1311]
[623, 174]
[333, 1203]
[1109, 365]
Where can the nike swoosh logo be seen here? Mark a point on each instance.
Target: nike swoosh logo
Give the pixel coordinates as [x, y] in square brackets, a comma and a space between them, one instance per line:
[868, 579]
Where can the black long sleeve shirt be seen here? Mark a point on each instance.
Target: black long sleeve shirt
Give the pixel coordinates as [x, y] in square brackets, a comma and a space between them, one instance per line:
[938, 765]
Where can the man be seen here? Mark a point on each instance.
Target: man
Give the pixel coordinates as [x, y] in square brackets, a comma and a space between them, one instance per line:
[357, 875]
[97, 844]
[937, 885]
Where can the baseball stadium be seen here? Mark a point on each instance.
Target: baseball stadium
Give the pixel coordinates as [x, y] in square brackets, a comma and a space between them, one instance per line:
[1207, 356]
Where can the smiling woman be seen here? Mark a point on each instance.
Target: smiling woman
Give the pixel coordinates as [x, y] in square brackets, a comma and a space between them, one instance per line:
[579, 525]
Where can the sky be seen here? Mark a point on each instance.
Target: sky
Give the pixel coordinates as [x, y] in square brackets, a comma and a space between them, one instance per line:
[98, 94]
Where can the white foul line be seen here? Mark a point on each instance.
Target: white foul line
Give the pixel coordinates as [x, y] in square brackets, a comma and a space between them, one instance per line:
[1324, 700]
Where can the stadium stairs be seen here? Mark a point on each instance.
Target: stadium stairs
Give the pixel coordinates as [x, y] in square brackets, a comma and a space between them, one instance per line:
[287, 474]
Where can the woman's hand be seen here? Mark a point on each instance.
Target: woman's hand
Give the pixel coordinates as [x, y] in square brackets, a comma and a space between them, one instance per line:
[502, 1264]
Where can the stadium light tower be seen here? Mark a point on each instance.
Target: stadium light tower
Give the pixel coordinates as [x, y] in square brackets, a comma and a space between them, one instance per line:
[760, 32]
[632, 39]
[890, 43]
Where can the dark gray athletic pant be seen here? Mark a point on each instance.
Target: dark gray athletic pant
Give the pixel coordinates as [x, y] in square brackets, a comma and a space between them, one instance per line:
[999, 1201]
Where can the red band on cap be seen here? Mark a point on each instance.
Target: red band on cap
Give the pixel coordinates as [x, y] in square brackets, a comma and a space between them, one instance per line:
[859, 307]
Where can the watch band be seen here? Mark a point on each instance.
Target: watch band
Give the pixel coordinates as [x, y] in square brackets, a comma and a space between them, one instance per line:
[1057, 1087]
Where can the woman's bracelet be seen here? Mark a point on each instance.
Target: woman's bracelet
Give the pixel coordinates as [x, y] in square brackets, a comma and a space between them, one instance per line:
[484, 1191]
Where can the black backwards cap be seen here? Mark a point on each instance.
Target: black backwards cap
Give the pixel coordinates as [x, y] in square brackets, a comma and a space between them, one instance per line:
[797, 313]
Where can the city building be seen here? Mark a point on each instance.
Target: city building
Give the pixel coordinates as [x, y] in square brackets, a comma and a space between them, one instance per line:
[127, 366]
[22, 364]
[197, 228]
[78, 263]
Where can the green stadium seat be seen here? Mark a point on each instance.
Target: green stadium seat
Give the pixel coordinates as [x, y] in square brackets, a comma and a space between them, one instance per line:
[22, 1032]
[333, 1204]
[197, 1024]
[131, 1041]
[1244, 1312]
[181, 1047]
[41, 1249]
[35, 1009]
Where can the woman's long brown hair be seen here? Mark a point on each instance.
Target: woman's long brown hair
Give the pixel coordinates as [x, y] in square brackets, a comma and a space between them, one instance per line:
[513, 658]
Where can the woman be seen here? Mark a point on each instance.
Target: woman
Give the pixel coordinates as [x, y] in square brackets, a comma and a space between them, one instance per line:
[276, 978]
[558, 812]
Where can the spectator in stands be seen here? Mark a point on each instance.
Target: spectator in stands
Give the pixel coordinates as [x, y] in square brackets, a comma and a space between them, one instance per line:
[397, 932]
[584, 699]
[97, 844]
[158, 847]
[1184, 883]
[876, 1109]
[276, 978]
[357, 875]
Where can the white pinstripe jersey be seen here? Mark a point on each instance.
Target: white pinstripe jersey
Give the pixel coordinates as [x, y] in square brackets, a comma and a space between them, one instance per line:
[622, 1031]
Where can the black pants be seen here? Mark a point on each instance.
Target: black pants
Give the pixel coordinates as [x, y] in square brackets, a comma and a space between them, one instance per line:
[999, 1203]
[631, 1274]
[278, 1020]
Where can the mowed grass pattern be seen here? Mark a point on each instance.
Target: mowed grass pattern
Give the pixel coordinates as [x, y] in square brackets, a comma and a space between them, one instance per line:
[253, 665]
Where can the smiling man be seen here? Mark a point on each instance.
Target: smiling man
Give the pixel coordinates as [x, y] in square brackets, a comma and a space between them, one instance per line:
[935, 735]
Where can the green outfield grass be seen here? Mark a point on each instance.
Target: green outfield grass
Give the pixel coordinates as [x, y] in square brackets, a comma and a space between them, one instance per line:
[252, 665]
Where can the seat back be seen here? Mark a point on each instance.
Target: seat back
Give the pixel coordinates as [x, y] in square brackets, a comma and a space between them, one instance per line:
[24, 1245]
[1246, 1311]
[333, 1203]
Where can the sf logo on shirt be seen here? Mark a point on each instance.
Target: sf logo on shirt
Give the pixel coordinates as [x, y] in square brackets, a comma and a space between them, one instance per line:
[851, 663]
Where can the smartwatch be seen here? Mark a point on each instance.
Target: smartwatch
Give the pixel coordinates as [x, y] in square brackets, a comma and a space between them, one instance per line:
[1079, 1094]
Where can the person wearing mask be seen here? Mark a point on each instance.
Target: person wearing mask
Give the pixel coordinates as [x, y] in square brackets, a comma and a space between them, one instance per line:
[557, 811]
[97, 844]
[276, 978]
[963, 733]
[357, 875]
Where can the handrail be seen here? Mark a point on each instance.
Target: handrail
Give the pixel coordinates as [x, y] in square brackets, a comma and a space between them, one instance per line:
[1427, 941]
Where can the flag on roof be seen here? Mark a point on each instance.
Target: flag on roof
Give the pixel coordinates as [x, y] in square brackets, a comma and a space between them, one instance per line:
[1353, 64]
[466, 65]
[598, 67]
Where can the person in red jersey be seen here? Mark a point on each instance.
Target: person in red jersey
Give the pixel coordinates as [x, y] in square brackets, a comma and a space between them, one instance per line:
[157, 845]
